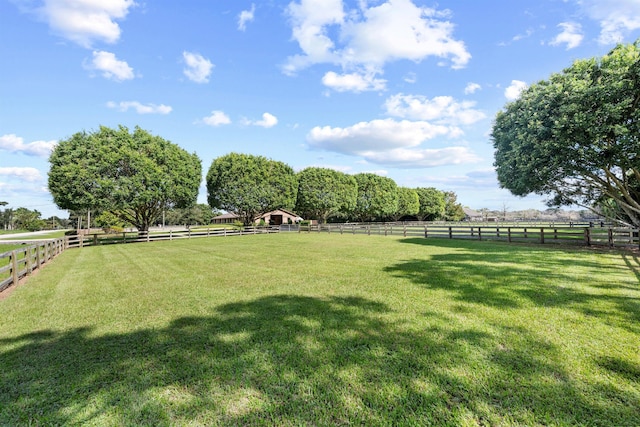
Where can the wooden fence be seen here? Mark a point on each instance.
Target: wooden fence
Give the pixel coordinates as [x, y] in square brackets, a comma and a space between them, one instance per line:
[80, 241]
[18, 263]
[572, 235]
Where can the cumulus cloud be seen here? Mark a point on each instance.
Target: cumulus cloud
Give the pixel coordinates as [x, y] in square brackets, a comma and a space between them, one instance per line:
[83, 21]
[140, 108]
[352, 82]
[268, 121]
[514, 90]
[368, 37]
[617, 18]
[441, 109]
[422, 158]
[391, 142]
[110, 67]
[472, 88]
[198, 68]
[22, 173]
[246, 16]
[16, 144]
[571, 35]
[217, 118]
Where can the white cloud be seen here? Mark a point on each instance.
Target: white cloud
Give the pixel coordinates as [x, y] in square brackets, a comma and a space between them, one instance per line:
[617, 18]
[140, 108]
[441, 109]
[376, 135]
[472, 88]
[571, 35]
[15, 144]
[365, 39]
[198, 67]
[217, 118]
[85, 21]
[391, 142]
[111, 67]
[246, 16]
[23, 174]
[353, 82]
[513, 91]
[422, 158]
[268, 121]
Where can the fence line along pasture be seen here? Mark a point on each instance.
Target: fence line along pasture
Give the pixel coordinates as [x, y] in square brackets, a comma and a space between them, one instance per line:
[80, 241]
[16, 264]
[572, 235]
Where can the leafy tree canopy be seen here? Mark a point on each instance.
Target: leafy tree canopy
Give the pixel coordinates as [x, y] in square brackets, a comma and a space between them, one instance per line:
[408, 203]
[377, 197]
[576, 136]
[132, 175]
[324, 192]
[453, 210]
[432, 203]
[249, 185]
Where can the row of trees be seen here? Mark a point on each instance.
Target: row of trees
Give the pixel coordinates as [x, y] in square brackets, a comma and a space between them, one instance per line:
[26, 219]
[134, 178]
[249, 185]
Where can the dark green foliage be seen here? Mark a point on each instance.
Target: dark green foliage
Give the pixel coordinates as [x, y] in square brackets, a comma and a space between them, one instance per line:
[250, 185]
[26, 219]
[576, 136]
[432, 203]
[408, 203]
[377, 197]
[325, 192]
[133, 175]
[453, 210]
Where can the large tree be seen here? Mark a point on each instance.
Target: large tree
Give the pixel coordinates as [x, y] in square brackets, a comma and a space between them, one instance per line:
[408, 203]
[432, 203]
[324, 192]
[377, 197]
[453, 210]
[250, 186]
[134, 175]
[576, 136]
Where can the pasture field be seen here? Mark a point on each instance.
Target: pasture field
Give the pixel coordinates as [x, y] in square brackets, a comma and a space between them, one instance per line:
[324, 329]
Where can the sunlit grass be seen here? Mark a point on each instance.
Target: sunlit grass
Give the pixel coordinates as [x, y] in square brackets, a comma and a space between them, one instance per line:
[298, 329]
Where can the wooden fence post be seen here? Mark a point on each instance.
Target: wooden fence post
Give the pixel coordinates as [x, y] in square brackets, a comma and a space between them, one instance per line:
[450, 232]
[509, 234]
[542, 235]
[479, 233]
[610, 233]
[426, 232]
[587, 236]
[14, 267]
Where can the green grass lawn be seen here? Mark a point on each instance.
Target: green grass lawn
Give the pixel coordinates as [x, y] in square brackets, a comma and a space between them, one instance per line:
[324, 329]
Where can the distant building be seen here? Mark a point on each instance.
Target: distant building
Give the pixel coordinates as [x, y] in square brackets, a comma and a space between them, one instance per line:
[276, 217]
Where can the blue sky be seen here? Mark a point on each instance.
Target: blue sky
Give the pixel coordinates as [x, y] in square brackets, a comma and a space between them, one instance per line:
[407, 89]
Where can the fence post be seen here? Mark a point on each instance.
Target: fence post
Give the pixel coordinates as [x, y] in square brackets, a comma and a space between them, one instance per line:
[38, 258]
[542, 235]
[426, 232]
[479, 233]
[14, 267]
[610, 233]
[450, 232]
[404, 230]
[587, 236]
[509, 234]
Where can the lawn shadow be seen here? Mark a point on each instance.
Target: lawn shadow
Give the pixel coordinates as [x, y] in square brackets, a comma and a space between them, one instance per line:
[295, 360]
[489, 274]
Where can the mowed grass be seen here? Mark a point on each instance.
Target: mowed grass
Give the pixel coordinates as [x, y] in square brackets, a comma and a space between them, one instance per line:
[319, 329]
